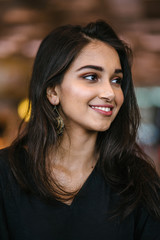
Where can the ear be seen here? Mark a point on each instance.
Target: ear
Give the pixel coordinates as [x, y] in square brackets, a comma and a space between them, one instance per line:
[52, 95]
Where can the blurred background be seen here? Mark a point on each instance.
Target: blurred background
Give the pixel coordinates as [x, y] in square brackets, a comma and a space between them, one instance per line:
[23, 24]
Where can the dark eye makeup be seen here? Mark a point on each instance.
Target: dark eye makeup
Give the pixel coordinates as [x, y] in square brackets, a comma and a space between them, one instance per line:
[117, 80]
[91, 77]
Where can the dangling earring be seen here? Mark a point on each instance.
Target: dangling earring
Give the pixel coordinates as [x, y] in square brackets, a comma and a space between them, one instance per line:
[60, 123]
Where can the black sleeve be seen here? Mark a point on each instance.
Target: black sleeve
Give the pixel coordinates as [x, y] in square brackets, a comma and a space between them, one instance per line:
[147, 227]
[3, 221]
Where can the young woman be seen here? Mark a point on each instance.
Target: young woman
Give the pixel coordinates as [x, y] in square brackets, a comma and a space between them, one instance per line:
[76, 171]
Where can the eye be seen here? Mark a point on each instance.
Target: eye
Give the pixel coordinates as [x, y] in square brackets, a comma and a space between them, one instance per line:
[117, 80]
[91, 77]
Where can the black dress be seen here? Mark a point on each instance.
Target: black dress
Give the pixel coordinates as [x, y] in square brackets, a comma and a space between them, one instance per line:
[26, 217]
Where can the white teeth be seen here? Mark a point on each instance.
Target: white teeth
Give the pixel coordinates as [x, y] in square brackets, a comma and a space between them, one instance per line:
[102, 108]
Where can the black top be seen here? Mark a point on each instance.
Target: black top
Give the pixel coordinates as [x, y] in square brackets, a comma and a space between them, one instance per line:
[26, 217]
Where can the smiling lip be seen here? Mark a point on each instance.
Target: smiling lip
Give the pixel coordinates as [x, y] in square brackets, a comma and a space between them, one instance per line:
[103, 109]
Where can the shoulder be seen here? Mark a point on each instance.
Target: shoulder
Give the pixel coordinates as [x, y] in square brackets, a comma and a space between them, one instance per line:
[4, 160]
[9, 186]
[7, 156]
[147, 227]
[5, 170]
[4, 153]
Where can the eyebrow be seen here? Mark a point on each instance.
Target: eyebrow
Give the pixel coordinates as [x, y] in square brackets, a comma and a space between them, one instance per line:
[92, 67]
[118, 71]
[98, 68]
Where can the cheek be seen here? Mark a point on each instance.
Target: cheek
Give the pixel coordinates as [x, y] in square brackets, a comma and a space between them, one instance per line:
[119, 98]
[76, 94]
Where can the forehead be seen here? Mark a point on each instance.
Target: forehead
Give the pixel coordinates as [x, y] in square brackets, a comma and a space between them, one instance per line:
[98, 53]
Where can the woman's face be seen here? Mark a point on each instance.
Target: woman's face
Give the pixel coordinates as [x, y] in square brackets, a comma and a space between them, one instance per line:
[90, 94]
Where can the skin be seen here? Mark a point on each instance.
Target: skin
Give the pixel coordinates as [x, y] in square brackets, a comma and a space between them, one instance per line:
[81, 88]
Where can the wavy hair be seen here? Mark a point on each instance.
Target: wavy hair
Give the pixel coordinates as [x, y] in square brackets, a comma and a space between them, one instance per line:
[124, 165]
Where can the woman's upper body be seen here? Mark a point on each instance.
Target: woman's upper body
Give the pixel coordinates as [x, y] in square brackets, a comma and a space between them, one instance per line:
[83, 114]
[25, 216]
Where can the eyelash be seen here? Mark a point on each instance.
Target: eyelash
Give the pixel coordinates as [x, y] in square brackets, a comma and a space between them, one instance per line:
[91, 75]
[118, 80]
[95, 76]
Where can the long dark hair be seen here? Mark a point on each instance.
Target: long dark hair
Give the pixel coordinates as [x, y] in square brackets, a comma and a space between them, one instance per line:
[124, 165]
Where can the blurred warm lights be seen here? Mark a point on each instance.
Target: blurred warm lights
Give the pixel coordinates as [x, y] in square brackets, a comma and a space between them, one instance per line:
[23, 110]
[7, 48]
[10, 47]
[151, 42]
[30, 48]
[21, 15]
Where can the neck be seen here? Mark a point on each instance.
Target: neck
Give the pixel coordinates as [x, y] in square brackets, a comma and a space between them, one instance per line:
[77, 151]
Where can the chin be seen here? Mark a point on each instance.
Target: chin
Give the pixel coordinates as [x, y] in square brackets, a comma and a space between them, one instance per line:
[102, 129]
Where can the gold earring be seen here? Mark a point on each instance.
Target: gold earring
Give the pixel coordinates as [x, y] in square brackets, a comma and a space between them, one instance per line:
[60, 123]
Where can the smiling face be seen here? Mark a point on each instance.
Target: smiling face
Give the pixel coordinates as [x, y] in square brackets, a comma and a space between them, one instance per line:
[90, 95]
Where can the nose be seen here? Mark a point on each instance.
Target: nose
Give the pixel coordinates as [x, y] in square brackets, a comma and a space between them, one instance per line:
[107, 92]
